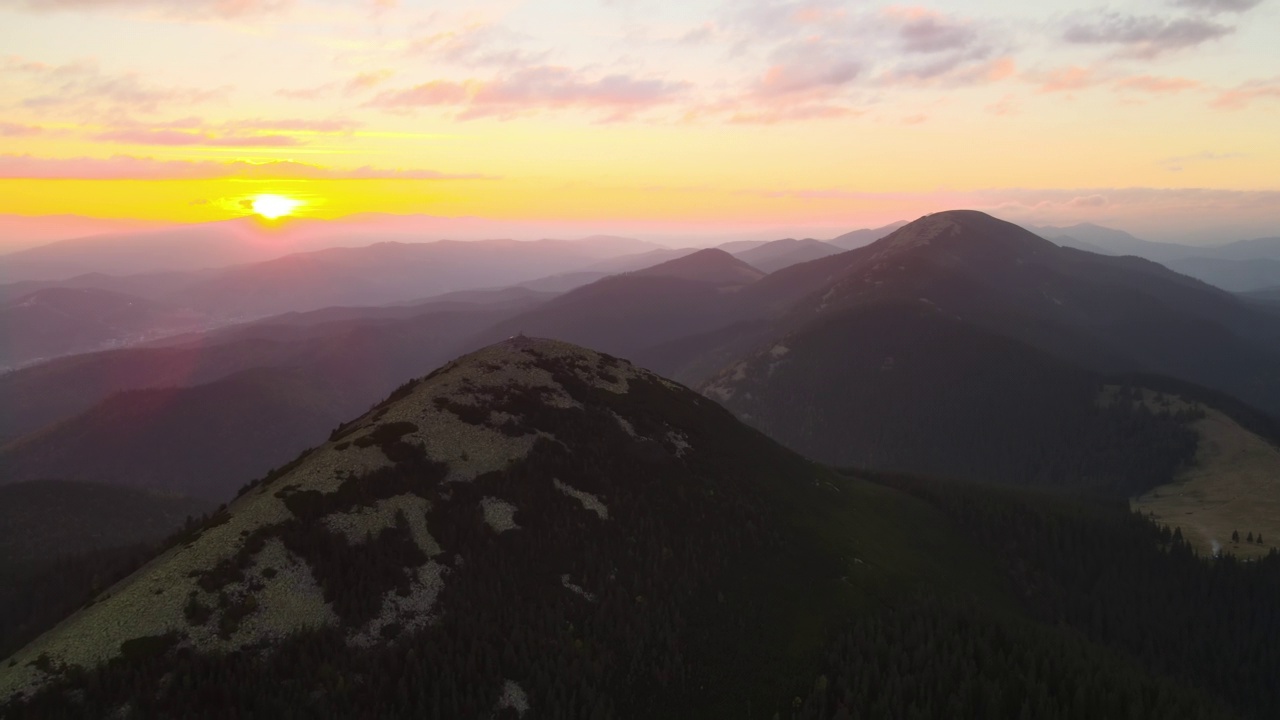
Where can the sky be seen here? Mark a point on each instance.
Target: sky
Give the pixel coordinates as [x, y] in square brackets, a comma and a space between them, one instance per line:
[1155, 116]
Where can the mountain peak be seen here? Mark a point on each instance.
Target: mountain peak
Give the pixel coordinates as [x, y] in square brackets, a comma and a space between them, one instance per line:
[961, 231]
[712, 265]
[414, 490]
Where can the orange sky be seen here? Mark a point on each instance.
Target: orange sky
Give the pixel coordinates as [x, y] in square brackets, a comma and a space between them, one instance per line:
[1155, 117]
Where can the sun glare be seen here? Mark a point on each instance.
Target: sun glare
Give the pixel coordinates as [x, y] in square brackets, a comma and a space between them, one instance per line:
[272, 207]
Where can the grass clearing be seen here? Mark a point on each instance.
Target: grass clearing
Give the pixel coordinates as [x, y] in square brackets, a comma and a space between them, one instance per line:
[1233, 486]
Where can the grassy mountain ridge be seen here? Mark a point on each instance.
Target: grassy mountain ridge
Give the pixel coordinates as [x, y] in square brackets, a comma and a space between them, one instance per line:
[679, 500]
[553, 526]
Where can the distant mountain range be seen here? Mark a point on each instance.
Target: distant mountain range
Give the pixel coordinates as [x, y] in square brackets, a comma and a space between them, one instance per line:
[1240, 266]
[931, 311]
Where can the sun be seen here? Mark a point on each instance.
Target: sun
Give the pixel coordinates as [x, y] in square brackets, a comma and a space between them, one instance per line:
[273, 207]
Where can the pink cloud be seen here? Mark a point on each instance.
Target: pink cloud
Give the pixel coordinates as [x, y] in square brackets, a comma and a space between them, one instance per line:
[186, 9]
[9, 129]
[1068, 78]
[1243, 95]
[177, 139]
[1153, 84]
[366, 81]
[332, 125]
[539, 88]
[787, 112]
[82, 87]
[125, 167]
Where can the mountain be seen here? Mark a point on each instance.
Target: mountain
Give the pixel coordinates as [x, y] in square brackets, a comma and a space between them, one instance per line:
[365, 351]
[379, 274]
[734, 247]
[638, 261]
[1108, 314]
[630, 313]
[59, 321]
[537, 529]
[712, 266]
[778, 254]
[175, 440]
[46, 519]
[860, 238]
[910, 388]
[249, 240]
[187, 247]
[624, 511]
[1228, 274]
[1240, 266]
[1109, 241]
[155, 287]
[63, 542]
[1267, 248]
[20, 232]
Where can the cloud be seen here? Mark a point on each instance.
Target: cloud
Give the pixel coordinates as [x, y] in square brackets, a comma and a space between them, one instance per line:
[314, 92]
[9, 129]
[807, 67]
[81, 86]
[1144, 37]
[787, 112]
[1158, 85]
[478, 45]
[1088, 201]
[185, 9]
[125, 167]
[195, 132]
[333, 125]
[1176, 164]
[1245, 94]
[534, 89]
[1218, 6]
[934, 49]
[1068, 79]
[366, 81]
[928, 32]
[177, 138]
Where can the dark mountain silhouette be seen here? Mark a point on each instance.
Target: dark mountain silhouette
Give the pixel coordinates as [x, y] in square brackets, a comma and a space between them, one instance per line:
[629, 313]
[1110, 314]
[908, 388]
[63, 542]
[46, 519]
[778, 254]
[175, 440]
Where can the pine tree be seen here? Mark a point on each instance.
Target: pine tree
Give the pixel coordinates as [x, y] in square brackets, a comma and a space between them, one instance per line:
[1235, 536]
